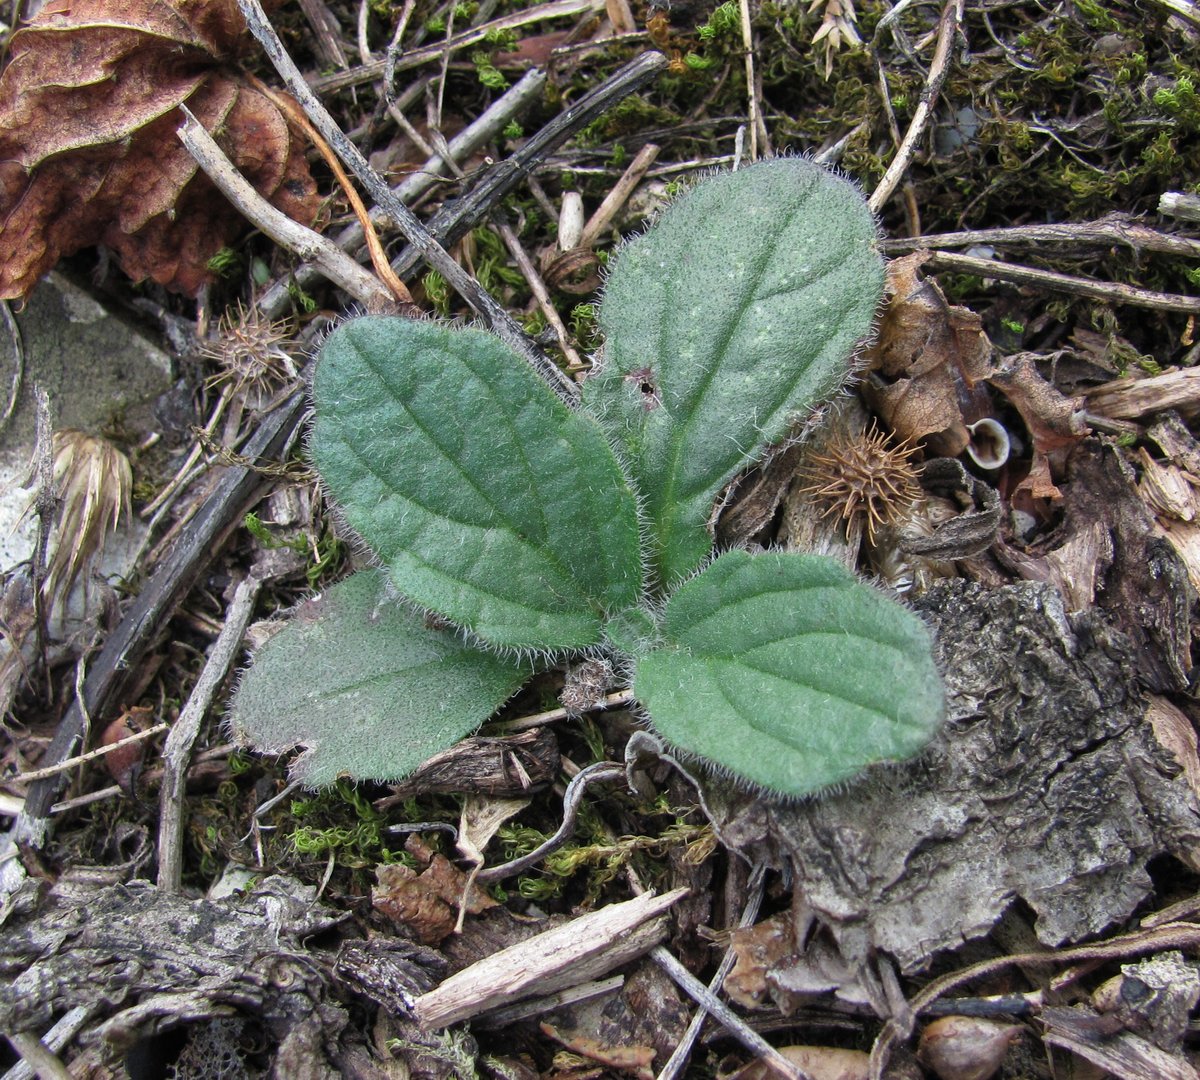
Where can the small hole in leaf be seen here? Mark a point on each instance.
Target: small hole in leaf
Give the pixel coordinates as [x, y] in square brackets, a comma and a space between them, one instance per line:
[643, 378]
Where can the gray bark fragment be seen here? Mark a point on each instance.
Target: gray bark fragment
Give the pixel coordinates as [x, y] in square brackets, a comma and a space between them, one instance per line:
[153, 961]
[1046, 784]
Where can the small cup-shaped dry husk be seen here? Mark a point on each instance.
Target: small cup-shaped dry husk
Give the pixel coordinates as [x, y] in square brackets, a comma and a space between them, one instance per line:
[966, 1047]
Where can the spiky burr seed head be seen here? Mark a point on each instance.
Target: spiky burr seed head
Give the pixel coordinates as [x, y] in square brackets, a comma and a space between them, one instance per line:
[860, 475]
[251, 349]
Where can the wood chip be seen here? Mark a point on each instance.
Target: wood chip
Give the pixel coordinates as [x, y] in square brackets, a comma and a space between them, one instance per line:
[583, 949]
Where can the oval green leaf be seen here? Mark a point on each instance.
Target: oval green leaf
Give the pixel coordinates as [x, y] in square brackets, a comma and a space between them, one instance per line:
[789, 673]
[485, 498]
[735, 314]
[366, 686]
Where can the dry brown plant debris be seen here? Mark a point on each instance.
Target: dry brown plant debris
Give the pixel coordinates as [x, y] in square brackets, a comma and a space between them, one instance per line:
[89, 104]
[935, 375]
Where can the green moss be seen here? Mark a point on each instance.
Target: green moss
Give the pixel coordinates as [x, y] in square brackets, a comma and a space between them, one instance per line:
[488, 74]
[437, 291]
[627, 117]
[1181, 103]
[1096, 15]
[725, 21]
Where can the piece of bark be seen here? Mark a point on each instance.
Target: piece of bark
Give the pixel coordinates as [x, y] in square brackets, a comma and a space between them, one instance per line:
[1046, 784]
[1146, 590]
[582, 949]
[484, 765]
[1120, 1054]
[1130, 398]
[159, 961]
[1110, 549]
[1177, 735]
[1075, 567]
[756, 498]
[1153, 997]
[1174, 440]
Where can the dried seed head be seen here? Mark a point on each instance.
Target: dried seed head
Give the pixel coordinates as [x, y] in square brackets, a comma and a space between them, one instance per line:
[93, 481]
[860, 475]
[585, 686]
[252, 350]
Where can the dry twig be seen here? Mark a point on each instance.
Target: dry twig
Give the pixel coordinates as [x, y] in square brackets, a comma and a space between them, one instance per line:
[486, 306]
[582, 949]
[1123, 947]
[540, 293]
[948, 29]
[1112, 291]
[183, 735]
[678, 1060]
[413, 58]
[334, 263]
[618, 195]
[1118, 230]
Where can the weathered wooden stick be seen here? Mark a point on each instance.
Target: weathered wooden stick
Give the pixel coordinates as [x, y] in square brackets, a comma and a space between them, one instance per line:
[575, 952]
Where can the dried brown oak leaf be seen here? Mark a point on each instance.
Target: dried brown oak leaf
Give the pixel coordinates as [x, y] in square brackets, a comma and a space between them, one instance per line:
[925, 371]
[89, 106]
[426, 902]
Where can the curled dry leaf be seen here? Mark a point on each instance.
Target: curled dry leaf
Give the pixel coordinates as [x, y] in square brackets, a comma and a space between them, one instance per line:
[426, 903]
[634, 1060]
[89, 106]
[928, 367]
[758, 950]
[1055, 422]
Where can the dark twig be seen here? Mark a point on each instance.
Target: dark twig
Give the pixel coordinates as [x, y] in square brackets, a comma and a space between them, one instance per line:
[416, 57]
[275, 301]
[427, 246]
[1123, 947]
[599, 773]
[1110, 230]
[237, 489]
[456, 219]
[1112, 291]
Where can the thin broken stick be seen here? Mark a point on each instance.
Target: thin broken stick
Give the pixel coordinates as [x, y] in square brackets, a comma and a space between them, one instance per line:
[183, 735]
[618, 196]
[498, 320]
[379, 259]
[578, 951]
[1112, 291]
[948, 29]
[91, 755]
[678, 1060]
[334, 263]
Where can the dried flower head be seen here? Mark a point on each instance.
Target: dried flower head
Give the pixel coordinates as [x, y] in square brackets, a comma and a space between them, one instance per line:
[860, 475]
[93, 481]
[839, 26]
[251, 350]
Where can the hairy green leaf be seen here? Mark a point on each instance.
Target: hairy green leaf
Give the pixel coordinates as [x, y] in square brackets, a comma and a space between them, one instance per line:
[367, 686]
[486, 499]
[732, 316]
[790, 673]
